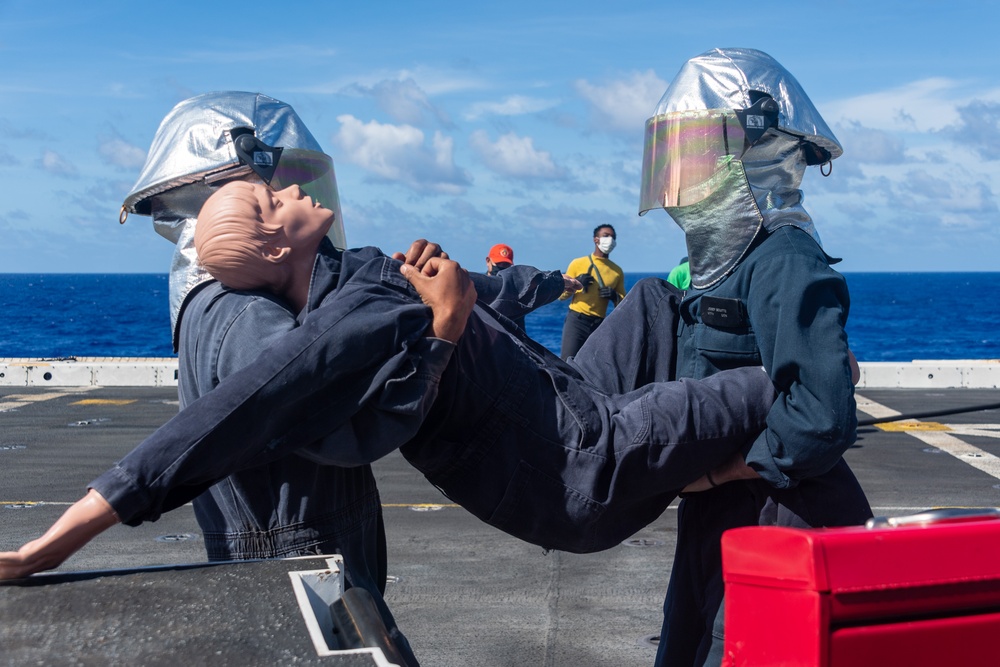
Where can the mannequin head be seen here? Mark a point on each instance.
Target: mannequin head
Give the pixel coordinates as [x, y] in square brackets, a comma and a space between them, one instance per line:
[250, 237]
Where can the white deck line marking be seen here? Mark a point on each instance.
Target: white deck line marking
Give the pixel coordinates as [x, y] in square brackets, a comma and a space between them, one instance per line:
[15, 401]
[946, 442]
[876, 410]
[979, 430]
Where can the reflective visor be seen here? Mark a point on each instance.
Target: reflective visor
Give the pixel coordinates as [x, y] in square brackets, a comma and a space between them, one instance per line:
[686, 155]
[310, 170]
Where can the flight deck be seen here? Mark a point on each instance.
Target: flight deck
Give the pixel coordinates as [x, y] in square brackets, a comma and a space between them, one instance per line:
[463, 592]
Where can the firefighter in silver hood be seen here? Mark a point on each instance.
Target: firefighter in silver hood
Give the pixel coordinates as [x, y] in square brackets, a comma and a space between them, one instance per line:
[724, 155]
[290, 506]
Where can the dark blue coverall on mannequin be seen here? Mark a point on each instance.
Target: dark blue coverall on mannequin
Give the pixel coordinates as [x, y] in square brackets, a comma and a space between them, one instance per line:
[292, 506]
[496, 421]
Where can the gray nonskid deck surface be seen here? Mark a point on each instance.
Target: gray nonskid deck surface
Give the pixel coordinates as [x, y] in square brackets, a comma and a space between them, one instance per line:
[464, 593]
[229, 614]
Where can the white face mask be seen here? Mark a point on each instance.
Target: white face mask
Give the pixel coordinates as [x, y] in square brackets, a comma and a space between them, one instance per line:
[606, 244]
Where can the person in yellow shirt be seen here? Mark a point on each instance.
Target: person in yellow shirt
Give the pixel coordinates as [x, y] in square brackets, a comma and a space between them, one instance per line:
[603, 283]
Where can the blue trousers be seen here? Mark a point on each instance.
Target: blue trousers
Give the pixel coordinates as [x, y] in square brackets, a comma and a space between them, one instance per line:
[561, 454]
[637, 348]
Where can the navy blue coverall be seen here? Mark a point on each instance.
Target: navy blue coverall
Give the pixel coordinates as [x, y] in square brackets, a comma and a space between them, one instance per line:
[290, 506]
[497, 422]
[785, 309]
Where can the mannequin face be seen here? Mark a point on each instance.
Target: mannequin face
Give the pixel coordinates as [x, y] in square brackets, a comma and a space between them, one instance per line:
[303, 220]
[249, 236]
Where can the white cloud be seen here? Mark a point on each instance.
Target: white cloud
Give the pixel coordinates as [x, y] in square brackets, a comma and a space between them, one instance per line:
[399, 153]
[439, 82]
[513, 105]
[864, 144]
[921, 106]
[562, 217]
[974, 206]
[403, 100]
[959, 202]
[432, 81]
[56, 164]
[514, 156]
[122, 154]
[921, 184]
[624, 105]
[978, 128]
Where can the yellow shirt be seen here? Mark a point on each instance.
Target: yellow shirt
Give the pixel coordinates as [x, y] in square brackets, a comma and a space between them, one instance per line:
[588, 301]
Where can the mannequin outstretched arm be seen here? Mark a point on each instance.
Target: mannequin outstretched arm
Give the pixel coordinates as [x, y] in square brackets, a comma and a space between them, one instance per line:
[83, 521]
[444, 287]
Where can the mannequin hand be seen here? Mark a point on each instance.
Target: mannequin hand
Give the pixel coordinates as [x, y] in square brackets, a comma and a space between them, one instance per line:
[571, 284]
[82, 522]
[445, 287]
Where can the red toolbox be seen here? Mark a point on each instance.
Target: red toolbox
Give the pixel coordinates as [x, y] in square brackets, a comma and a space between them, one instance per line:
[917, 590]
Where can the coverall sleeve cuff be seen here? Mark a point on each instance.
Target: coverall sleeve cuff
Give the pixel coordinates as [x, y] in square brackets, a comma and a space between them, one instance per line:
[123, 494]
[759, 458]
[435, 353]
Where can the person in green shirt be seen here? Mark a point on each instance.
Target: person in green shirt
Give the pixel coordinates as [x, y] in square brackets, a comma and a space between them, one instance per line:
[680, 275]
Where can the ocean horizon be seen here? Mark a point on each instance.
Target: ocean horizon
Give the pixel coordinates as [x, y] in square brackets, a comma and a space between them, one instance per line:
[894, 316]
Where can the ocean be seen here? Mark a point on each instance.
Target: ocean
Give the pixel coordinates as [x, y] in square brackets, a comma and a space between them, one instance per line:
[894, 316]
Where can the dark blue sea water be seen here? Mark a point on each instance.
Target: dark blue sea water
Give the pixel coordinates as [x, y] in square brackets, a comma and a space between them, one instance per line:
[894, 316]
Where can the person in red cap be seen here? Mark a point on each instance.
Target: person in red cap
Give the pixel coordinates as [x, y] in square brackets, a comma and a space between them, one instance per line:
[501, 257]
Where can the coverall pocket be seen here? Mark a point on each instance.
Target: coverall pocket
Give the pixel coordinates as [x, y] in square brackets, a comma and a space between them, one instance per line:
[726, 349]
[545, 511]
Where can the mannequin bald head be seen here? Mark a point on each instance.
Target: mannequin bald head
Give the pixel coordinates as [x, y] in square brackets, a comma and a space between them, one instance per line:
[249, 236]
[232, 238]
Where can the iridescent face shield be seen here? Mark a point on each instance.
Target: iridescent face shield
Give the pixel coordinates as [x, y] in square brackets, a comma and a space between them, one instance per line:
[688, 155]
[280, 168]
[725, 153]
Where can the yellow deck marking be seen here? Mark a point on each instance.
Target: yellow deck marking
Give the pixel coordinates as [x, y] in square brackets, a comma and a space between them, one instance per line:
[105, 401]
[14, 401]
[912, 425]
[942, 439]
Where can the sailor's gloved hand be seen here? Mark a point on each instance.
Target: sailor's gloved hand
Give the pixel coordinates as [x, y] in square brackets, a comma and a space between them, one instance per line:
[585, 280]
[607, 293]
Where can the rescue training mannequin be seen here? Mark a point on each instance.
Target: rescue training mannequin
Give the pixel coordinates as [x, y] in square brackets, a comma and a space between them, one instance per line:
[391, 356]
[725, 153]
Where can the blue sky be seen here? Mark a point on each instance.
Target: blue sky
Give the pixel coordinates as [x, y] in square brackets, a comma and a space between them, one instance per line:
[517, 122]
